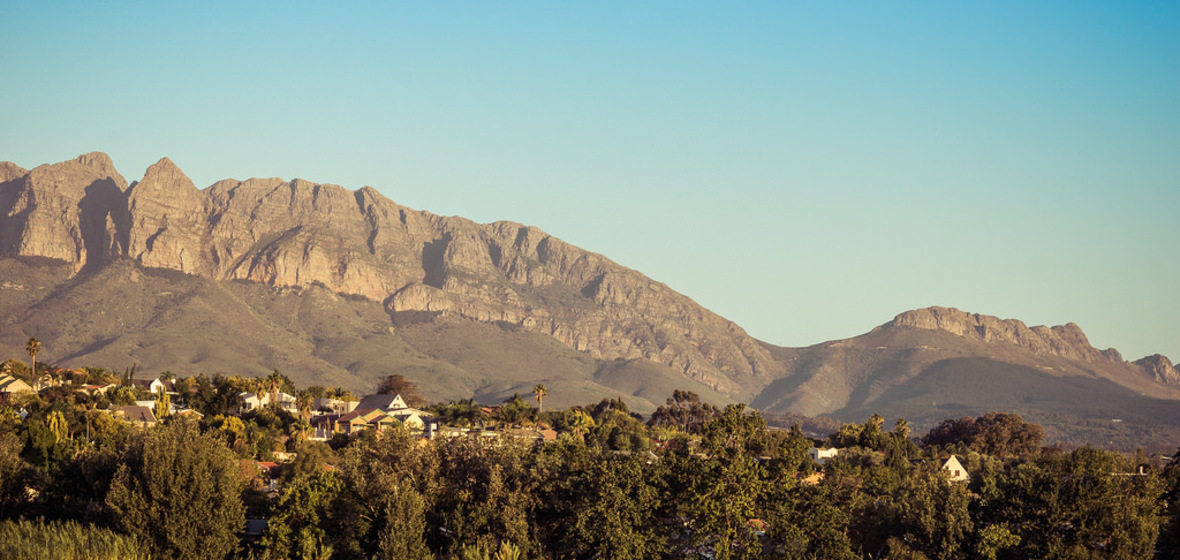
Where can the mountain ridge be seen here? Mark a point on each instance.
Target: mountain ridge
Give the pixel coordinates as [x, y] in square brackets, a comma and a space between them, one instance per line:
[340, 287]
[297, 233]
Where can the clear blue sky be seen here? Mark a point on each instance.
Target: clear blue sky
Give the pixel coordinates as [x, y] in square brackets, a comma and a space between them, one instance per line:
[806, 169]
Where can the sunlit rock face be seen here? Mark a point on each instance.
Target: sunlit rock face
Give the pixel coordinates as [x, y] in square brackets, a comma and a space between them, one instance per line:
[1067, 341]
[298, 233]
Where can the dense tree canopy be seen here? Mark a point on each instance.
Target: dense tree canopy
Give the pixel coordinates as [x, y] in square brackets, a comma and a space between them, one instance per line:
[179, 490]
[695, 482]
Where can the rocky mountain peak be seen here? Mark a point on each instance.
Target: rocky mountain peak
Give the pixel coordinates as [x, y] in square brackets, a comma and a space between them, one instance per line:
[1161, 368]
[72, 211]
[299, 233]
[1066, 341]
[98, 161]
[10, 171]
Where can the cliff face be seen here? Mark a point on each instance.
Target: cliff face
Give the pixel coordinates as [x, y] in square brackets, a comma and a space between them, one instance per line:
[1066, 341]
[1160, 368]
[944, 355]
[74, 211]
[297, 234]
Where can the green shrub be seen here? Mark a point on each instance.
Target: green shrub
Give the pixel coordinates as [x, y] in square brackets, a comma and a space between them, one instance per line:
[26, 540]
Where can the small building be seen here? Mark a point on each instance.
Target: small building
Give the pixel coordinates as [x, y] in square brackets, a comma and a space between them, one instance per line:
[138, 415]
[385, 402]
[821, 456]
[325, 405]
[10, 386]
[252, 401]
[154, 386]
[955, 469]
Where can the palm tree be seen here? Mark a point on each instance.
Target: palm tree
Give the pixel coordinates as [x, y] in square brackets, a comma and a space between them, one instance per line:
[581, 424]
[259, 387]
[303, 402]
[540, 391]
[274, 382]
[33, 346]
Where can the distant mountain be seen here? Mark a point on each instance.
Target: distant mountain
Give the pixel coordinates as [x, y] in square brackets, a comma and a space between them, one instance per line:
[122, 246]
[932, 364]
[340, 287]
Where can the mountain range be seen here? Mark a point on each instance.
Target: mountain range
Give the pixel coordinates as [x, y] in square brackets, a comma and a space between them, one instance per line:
[340, 287]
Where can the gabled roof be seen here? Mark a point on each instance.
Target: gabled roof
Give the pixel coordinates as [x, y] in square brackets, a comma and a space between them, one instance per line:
[136, 413]
[10, 384]
[384, 402]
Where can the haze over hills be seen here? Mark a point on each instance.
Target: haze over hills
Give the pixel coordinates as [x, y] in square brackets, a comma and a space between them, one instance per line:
[340, 287]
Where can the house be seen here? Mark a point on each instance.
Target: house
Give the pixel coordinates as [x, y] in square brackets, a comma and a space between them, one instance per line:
[325, 405]
[379, 412]
[324, 426]
[252, 401]
[10, 385]
[140, 415]
[153, 386]
[821, 456]
[955, 469]
[371, 402]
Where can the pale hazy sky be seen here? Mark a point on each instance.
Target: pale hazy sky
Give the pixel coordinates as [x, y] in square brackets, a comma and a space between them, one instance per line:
[806, 169]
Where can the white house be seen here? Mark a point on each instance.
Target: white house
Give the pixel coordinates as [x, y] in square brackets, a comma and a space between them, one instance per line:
[251, 401]
[10, 385]
[336, 406]
[821, 456]
[953, 467]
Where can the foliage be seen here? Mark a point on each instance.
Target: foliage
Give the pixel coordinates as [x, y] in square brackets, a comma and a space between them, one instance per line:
[397, 384]
[684, 411]
[995, 433]
[180, 492]
[728, 488]
[25, 540]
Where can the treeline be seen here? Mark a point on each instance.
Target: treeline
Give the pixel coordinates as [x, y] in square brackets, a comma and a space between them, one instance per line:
[693, 481]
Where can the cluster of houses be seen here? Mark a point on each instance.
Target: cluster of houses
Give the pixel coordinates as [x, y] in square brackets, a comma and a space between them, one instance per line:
[328, 416]
[954, 469]
[377, 412]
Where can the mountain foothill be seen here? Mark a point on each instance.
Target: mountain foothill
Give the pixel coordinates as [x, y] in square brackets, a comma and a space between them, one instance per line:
[341, 288]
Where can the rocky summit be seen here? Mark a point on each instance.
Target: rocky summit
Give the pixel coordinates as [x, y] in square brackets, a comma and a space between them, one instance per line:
[340, 287]
[298, 234]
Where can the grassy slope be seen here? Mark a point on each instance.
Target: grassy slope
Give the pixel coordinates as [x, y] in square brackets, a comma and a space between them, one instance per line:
[164, 320]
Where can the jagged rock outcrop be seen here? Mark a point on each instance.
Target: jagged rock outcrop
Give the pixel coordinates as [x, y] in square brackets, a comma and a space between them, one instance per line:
[1066, 341]
[1160, 368]
[74, 211]
[297, 233]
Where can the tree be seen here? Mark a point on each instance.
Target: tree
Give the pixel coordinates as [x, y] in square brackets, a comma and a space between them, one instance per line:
[397, 384]
[540, 391]
[163, 407]
[180, 491]
[273, 383]
[995, 433]
[297, 530]
[1084, 504]
[685, 412]
[303, 402]
[615, 504]
[13, 475]
[33, 346]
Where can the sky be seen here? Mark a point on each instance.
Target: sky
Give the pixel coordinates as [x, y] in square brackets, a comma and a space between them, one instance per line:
[806, 169]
